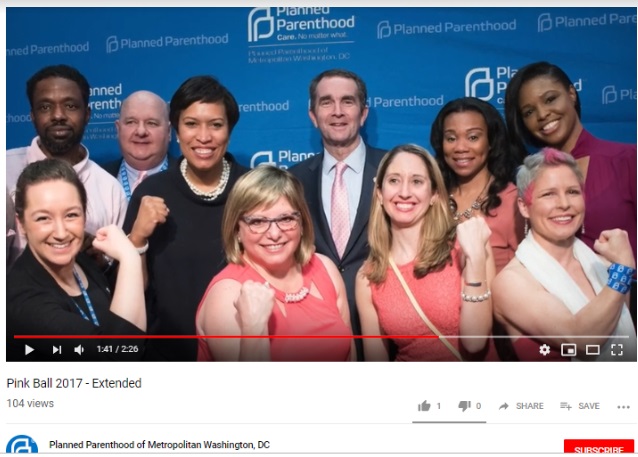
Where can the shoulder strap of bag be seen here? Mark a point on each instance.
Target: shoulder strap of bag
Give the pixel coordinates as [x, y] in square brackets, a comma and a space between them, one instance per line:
[420, 312]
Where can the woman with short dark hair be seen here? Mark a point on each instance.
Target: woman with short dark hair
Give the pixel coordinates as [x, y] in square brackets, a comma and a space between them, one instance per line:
[177, 213]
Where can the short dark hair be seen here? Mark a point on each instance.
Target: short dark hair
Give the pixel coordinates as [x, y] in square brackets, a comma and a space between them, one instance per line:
[501, 161]
[362, 91]
[517, 131]
[204, 89]
[59, 71]
[43, 171]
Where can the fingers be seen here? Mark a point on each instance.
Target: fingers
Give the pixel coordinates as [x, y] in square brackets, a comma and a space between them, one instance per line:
[152, 211]
[614, 245]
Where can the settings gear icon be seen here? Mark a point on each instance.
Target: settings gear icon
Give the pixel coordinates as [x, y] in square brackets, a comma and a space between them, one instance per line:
[544, 350]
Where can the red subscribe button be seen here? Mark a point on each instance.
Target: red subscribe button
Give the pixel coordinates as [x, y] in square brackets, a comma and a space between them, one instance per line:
[599, 446]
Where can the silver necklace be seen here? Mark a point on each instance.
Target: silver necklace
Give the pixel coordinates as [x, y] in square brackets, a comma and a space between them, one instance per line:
[476, 205]
[217, 191]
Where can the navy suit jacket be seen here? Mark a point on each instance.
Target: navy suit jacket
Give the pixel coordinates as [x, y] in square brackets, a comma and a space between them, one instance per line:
[309, 173]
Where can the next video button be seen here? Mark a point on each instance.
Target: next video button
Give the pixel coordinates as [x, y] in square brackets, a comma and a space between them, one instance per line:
[599, 446]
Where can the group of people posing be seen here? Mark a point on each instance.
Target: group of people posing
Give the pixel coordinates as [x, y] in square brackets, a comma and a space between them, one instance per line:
[482, 250]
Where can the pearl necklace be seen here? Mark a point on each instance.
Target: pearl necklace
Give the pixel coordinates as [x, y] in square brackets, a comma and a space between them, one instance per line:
[217, 191]
[297, 297]
[476, 205]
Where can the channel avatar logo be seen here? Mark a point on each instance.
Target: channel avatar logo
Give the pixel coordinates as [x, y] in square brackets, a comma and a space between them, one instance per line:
[22, 444]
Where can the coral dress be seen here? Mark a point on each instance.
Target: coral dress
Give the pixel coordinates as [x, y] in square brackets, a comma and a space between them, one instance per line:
[438, 294]
[308, 317]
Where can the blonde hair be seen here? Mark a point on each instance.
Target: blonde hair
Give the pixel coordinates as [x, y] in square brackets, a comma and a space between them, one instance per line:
[263, 186]
[437, 231]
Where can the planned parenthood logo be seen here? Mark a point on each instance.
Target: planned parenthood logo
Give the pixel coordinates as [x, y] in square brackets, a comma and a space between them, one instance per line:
[22, 444]
[612, 94]
[544, 22]
[479, 83]
[260, 18]
[547, 22]
[383, 30]
[489, 83]
[112, 45]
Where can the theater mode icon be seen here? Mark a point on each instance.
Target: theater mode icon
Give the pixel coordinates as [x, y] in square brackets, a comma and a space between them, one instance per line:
[22, 444]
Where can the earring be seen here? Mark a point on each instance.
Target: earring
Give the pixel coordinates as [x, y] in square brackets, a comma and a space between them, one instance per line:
[526, 227]
[582, 228]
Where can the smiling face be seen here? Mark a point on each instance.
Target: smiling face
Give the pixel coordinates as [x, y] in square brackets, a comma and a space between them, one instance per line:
[548, 112]
[203, 134]
[465, 143]
[143, 130]
[59, 116]
[406, 190]
[556, 206]
[338, 113]
[53, 223]
[275, 248]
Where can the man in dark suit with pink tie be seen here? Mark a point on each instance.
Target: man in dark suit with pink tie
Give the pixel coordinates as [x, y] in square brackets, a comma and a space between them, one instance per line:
[338, 183]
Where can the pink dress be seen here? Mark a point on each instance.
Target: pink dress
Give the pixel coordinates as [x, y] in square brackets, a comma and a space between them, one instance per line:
[311, 316]
[506, 224]
[438, 294]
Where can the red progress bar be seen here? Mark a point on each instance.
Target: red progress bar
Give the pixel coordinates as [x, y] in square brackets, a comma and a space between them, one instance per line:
[178, 337]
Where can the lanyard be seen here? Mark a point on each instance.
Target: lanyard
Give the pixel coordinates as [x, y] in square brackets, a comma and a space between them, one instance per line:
[125, 181]
[89, 305]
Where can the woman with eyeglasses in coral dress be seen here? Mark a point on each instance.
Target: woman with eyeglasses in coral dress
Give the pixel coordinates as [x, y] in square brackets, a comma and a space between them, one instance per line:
[276, 294]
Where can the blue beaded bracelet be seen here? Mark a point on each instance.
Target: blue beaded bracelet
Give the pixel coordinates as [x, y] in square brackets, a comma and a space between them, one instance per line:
[620, 277]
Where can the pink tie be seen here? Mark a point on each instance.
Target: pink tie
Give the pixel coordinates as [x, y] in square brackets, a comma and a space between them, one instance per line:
[139, 179]
[339, 216]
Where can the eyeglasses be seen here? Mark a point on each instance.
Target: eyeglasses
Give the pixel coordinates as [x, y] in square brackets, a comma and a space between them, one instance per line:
[260, 225]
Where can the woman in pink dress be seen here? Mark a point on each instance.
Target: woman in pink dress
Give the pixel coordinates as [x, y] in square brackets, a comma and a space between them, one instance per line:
[478, 168]
[470, 141]
[447, 268]
[276, 294]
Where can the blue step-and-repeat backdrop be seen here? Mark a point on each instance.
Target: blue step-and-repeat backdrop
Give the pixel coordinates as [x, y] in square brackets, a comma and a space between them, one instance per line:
[413, 60]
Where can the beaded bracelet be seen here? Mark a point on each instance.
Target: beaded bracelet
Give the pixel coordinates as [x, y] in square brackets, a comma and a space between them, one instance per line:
[476, 298]
[620, 277]
[141, 250]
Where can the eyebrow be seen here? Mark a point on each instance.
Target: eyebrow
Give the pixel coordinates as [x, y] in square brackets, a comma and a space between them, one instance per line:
[65, 99]
[292, 213]
[471, 129]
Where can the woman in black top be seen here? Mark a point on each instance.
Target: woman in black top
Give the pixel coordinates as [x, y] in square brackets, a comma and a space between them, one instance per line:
[178, 213]
[54, 289]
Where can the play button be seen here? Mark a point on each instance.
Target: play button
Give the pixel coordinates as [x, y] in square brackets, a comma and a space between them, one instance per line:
[28, 349]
